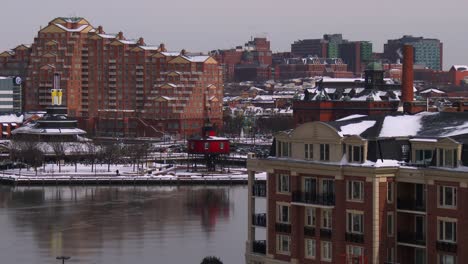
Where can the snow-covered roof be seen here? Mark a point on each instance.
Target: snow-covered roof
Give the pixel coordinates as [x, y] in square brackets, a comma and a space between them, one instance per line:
[149, 47]
[460, 67]
[401, 126]
[109, 36]
[78, 29]
[350, 117]
[11, 118]
[128, 42]
[422, 125]
[48, 131]
[432, 90]
[170, 53]
[357, 128]
[197, 58]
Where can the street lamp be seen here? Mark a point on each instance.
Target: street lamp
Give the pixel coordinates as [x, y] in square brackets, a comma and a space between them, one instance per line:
[63, 258]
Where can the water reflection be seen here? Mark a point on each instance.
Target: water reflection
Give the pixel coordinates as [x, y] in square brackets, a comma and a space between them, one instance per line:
[115, 224]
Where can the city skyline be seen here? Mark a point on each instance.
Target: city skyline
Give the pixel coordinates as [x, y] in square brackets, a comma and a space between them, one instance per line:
[205, 25]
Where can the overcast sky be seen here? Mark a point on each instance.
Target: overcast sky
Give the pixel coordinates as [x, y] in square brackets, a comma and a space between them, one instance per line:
[203, 25]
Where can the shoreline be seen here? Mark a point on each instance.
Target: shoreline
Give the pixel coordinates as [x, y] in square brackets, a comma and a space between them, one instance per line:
[122, 180]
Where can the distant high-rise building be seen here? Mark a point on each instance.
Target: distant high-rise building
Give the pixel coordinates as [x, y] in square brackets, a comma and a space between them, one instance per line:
[427, 52]
[356, 54]
[327, 47]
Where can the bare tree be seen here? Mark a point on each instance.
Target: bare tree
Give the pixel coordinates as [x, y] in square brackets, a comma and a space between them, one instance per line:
[109, 154]
[59, 149]
[91, 154]
[27, 151]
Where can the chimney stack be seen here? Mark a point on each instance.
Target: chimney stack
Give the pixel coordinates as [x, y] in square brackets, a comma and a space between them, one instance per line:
[120, 36]
[407, 93]
[141, 42]
[100, 30]
[162, 47]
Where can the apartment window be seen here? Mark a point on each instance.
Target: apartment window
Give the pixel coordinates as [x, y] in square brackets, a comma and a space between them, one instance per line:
[310, 248]
[355, 191]
[325, 152]
[355, 253]
[447, 196]
[221, 145]
[283, 183]
[390, 189]
[423, 156]
[326, 218]
[447, 259]
[310, 216]
[355, 154]
[448, 230]
[328, 187]
[390, 224]
[309, 151]
[447, 157]
[355, 222]
[326, 251]
[283, 244]
[391, 255]
[282, 213]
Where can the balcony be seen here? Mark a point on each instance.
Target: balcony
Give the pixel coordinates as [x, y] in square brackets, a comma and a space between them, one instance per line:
[259, 247]
[354, 238]
[325, 233]
[259, 220]
[446, 246]
[412, 238]
[309, 231]
[314, 198]
[283, 228]
[411, 205]
[259, 189]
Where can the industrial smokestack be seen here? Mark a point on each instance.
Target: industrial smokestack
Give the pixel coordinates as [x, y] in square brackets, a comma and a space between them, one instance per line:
[407, 93]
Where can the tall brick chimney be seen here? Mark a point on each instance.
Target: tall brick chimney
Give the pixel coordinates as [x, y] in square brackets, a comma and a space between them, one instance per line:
[407, 93]
[120, 35]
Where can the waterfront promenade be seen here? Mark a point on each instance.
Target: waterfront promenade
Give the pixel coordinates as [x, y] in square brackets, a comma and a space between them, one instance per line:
[122, 174]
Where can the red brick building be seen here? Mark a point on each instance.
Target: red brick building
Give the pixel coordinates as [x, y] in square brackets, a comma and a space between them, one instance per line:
[248, 63]
[120, 87]
[362, 190]
[311, 67]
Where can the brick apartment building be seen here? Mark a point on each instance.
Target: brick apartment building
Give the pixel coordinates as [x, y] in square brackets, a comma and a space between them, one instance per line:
[116, 86]
[388, 189]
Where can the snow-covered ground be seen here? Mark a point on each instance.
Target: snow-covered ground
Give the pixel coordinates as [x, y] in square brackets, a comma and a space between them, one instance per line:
[155, 171]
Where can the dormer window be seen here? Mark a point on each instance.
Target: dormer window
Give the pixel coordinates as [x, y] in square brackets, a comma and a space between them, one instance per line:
[324, 152]
[355, 154]
[284, 149]
[423, 156]
[308, 151]
[447, 158]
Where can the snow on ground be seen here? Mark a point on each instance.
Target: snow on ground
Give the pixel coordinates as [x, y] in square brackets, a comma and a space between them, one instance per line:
[357, 128]
[156, 171]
